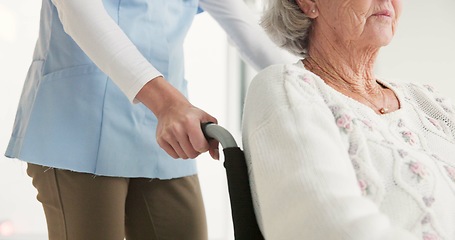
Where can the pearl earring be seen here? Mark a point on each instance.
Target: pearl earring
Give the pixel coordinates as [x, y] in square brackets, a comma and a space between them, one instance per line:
[313, 11]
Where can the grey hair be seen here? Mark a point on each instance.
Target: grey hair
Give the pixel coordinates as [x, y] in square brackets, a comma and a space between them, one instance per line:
[287, 25]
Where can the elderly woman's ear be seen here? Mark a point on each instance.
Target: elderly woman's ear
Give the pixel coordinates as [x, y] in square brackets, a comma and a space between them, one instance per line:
[308, 7]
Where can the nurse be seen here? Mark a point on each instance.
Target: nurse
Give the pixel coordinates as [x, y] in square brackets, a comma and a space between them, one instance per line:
[107, 77]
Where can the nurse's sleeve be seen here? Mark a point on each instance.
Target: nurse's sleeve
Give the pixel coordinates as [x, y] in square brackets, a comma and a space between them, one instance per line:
[302, 178]
[96, 33]
[242, 27]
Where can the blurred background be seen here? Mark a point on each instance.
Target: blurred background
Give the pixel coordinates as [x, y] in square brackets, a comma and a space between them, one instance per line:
[423, 51]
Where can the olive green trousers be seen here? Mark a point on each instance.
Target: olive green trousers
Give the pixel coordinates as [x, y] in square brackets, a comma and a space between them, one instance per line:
[80, 206]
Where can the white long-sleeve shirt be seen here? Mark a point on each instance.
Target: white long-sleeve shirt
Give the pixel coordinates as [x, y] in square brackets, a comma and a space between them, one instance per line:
[324, 166]
[111, 50]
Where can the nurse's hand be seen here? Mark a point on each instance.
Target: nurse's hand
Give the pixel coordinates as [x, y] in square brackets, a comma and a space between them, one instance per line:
[179, 132]
[179, 122]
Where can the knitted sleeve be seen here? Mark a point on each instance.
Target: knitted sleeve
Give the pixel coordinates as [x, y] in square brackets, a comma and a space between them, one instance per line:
[303, 182]
[96, 33]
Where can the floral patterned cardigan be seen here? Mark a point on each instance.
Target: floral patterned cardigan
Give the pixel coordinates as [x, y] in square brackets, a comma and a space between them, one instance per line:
[324, 166]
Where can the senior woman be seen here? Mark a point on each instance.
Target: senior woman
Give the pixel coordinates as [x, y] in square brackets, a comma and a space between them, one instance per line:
[336, 152]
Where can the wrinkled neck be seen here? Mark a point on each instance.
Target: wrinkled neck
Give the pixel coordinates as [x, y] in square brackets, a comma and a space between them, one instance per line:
[342, 63]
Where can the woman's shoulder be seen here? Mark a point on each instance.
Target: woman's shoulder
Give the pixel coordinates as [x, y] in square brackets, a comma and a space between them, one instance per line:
[284, 70]
[285, 80]
[413, 90]
[426, 97]
[278, 87]
[409, 86]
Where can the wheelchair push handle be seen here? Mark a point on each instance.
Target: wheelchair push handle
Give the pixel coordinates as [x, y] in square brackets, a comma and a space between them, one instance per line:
[215, 131]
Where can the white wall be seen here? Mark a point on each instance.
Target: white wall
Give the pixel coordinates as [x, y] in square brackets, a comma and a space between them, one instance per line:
[424, 47]
[206, 70]
[423, 50]
[18, 31]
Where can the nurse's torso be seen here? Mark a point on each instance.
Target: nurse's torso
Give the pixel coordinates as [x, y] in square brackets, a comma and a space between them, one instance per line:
[72, 116]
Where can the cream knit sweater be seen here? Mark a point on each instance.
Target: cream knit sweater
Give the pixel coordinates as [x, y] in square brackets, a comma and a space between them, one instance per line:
[324, 166]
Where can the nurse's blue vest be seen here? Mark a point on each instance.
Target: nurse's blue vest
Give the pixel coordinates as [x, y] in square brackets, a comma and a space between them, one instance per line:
[72, 116]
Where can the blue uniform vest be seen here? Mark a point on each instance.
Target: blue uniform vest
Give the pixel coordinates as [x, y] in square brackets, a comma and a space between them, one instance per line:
[72, 116]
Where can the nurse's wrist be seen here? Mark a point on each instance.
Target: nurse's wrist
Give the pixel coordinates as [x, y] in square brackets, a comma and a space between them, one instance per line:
[158, 95]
